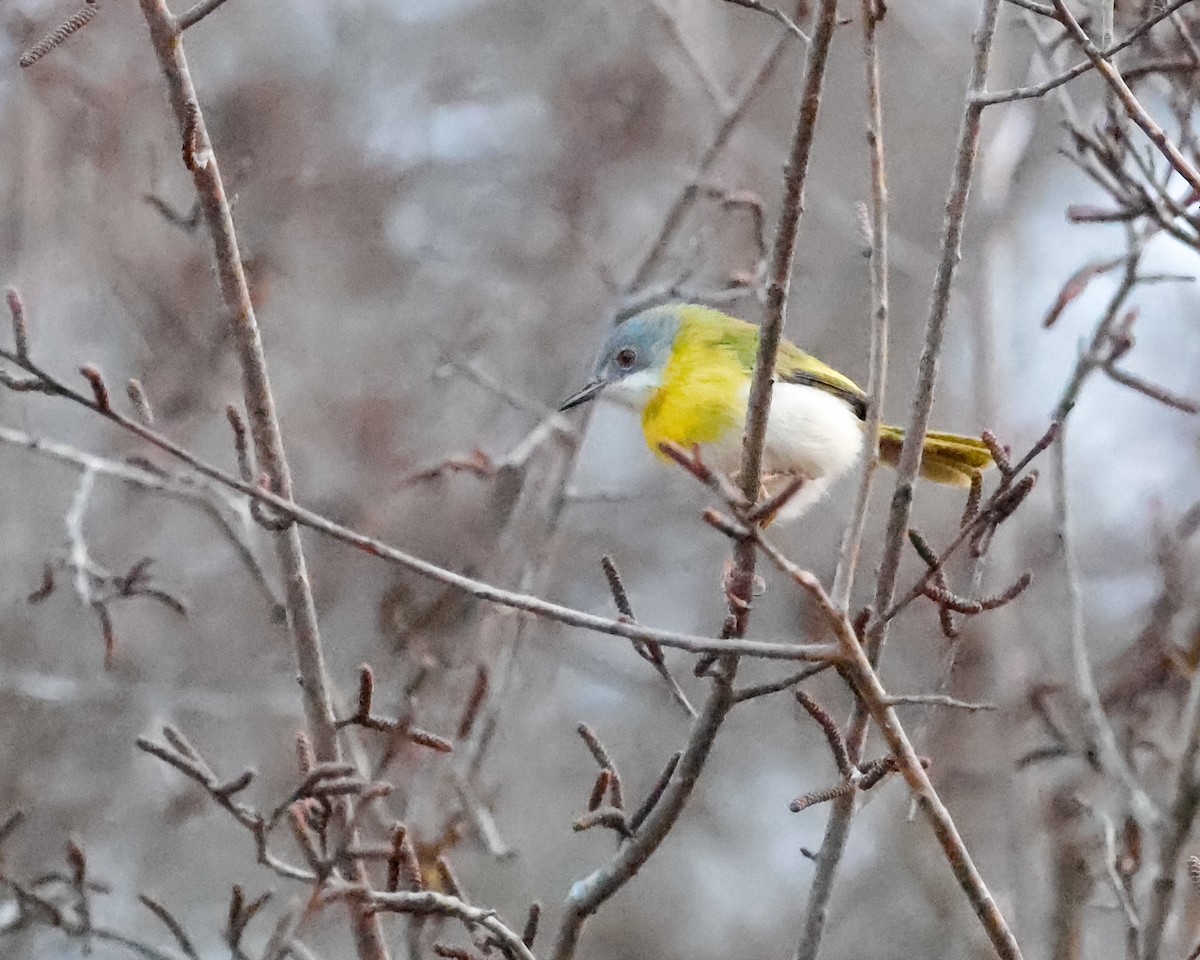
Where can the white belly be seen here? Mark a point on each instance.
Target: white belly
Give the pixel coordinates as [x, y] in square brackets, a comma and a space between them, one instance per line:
[810, 432]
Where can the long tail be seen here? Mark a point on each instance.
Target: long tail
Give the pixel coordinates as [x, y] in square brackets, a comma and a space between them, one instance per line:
[947, 458]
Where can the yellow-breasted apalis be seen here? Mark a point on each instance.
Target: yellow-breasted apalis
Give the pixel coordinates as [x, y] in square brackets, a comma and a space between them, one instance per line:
[687, 369]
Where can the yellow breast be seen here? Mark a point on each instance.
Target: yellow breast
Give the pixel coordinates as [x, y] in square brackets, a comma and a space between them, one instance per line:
[702, 396]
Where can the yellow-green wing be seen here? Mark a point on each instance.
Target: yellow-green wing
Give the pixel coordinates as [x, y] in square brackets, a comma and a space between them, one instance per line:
[793, 365]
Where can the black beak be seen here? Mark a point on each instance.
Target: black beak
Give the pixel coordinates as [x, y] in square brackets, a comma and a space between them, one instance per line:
[583, 396]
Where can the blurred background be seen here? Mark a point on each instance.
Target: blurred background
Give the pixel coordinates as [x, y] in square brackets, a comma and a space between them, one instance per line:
[442, 204]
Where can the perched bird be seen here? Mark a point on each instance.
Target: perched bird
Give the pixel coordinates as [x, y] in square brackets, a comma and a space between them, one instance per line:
[687, 369]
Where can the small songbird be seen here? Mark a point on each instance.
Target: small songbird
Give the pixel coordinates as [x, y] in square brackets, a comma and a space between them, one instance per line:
[687, 369]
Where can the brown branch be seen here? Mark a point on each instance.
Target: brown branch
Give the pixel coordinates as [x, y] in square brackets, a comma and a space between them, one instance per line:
[69, 27]
[776, 14]
[1041, 89]
[1006, 497]
[691, 192]
[1100, 734]
[871, 693]
[650, 652]
[430, 903]
[587, 895]
[712, 85]
[937, 700]
[180, 754]
[778, 686]
[1185, 802]
[782, 255]
[877, 228]
[167, 41]
[193, 15]
[1151, 390]
[216, 504]
[260, 404]
[838, 828]
[1137, 113]
[609, 817]
[377, 548]
[655, 794]
[171, 922]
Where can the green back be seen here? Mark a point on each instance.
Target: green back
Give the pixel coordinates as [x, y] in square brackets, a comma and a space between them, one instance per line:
[792, 365]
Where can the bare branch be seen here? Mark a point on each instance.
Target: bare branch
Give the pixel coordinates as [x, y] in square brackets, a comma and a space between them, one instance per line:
[871, 693]
[877, 236]
[1133, 108]
[69, 27]
[1041, 89]
[1100, 731]
[427, 903]
[193, 15]
[775, 13]
[838, 827]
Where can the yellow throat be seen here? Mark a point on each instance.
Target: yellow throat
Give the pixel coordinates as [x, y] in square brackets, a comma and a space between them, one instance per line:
[704, 386]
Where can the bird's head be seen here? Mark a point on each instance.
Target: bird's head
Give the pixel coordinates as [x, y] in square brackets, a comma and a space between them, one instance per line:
[632, 362]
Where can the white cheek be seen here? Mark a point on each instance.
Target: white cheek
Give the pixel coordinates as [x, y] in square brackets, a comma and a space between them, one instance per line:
[636, 389]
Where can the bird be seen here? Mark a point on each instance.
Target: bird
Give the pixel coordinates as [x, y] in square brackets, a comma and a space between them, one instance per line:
[686, 368]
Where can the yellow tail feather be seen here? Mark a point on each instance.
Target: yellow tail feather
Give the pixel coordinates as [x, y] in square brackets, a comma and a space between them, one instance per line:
[947, 457]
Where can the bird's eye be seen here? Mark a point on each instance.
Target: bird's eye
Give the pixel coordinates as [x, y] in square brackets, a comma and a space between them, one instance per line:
[625, 358]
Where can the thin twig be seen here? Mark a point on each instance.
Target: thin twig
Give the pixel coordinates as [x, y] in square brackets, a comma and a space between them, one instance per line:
[430, 903]
[377, 548]
[871, 693]
[1137, 113]
[651, 652]
[838, 827]
[193, 15]
[1041, 89]
[937, 700]
[691, 192]
[1185, 802]
[216, 504]
[776, 14]
[843, 580]
[780, 272]
[588, 894]
[166, 38]
[1100, 731]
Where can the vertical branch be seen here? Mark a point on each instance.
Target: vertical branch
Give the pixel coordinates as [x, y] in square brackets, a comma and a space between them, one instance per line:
[939, 309]
[779, 279]
[1099, 731]
[686, 199]
[260, 401]
[838, 827]
[843, 580]
[201, 162]
[587, 895]
[857, 670]
[1072, 881]
[1185, 803]
[780, 273]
